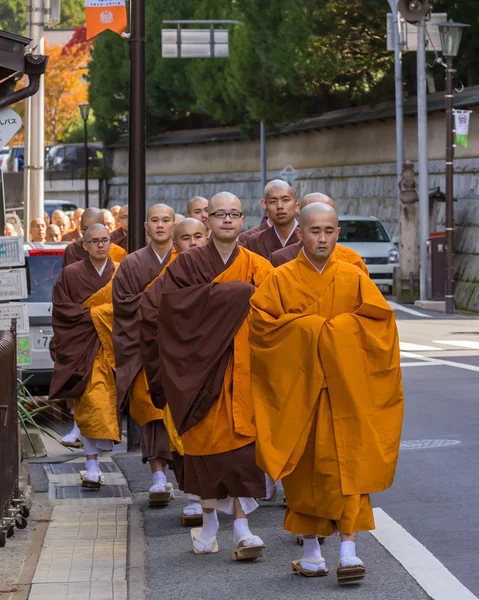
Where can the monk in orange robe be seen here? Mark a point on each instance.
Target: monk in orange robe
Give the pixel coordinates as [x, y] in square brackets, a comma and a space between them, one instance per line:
[81, 348]
[203, 331]
[281, 207]
[136, 273]
[188, 233]
[327, 392]
[280, 257]
[75, 251]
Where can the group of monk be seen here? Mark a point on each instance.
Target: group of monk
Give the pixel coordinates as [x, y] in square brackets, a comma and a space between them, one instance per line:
[252, 361]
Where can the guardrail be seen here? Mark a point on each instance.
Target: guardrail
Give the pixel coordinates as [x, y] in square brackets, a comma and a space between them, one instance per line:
[13, 510]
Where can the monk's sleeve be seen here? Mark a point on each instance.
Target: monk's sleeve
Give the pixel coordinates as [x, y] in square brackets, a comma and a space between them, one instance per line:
[125, 304]
[284, 368]
[360, 356]
[262, 269]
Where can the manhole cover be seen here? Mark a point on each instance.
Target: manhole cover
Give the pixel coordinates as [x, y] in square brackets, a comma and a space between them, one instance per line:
[423, 444]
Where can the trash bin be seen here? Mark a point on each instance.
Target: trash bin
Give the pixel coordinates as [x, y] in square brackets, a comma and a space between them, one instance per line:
[436, 271]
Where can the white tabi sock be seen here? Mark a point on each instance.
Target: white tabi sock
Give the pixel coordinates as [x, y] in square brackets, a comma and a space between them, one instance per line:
[92, 466]
[347, 555]
[241, 530]
[210, 526]
[193, 508]
[159, 478]
[311, 555]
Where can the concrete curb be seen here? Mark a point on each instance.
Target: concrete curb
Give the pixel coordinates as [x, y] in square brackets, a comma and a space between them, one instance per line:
[137, 549]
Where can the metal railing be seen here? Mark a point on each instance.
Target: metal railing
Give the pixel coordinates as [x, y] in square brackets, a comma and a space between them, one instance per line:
[13, 511]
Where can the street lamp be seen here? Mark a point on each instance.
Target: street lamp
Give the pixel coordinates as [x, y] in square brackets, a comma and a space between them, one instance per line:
[85, 111]
[450, 34]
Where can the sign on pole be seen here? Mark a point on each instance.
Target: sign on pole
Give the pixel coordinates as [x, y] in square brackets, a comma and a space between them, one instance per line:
[11, 252]
[10, 123]
[13, 285]
[14, 310]
[194, 43]
[462, 119]
[289, 174]
[105, 14]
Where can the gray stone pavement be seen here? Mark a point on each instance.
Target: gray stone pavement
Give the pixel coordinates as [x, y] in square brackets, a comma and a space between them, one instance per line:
[173, 571]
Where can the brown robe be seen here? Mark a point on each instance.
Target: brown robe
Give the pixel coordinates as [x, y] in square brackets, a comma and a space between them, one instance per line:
[245, 234]
[120, 238]
[75, 340]
[266, 242]
[280, 257]
[72, 236]
[136, 271]
[75, 252]
[198, 319]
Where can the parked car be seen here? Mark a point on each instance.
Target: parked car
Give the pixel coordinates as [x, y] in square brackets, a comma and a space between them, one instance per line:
[368, 237]
[44, 264]
[72, 156]
[4, 153]
[52, 205]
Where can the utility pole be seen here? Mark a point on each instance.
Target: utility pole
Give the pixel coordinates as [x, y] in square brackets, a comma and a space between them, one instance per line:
[36, 137]
[422, 157]
[399, 96]
[263, 157]
[26, 148]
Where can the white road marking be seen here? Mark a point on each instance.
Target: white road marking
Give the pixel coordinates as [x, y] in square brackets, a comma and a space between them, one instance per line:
[460, 344]
[410, 311]
[426, 569]
[407, 347]
[438, 362]
[421, 363]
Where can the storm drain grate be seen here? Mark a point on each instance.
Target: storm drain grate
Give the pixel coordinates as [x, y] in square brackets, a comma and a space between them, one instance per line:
[72, 468]
[424, 444]
[106, 491]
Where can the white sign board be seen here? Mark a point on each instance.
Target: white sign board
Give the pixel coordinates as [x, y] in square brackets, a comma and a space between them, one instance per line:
[13, 285]
[14, 310]
[194, 43]
[408, 33]
[10, 123]
[11, 252]
[289, 174]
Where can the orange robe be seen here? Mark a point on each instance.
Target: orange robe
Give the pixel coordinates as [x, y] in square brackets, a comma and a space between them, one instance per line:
[95, 409]
[327, 392]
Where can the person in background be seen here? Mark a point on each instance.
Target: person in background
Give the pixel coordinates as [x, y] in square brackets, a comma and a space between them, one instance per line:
[37, 230]
[76, 233]
[109, 220]
[114, 211]
[9, 230]
[179, 218]
[57, 214]
[120, 236]
[53, 234]
[46, 218]
[63, 223]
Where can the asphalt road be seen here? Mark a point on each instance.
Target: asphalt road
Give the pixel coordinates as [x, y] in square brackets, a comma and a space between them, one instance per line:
[430, 511]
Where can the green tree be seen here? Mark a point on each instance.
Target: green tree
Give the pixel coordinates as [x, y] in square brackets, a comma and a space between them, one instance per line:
[73, 14]
[12, 16]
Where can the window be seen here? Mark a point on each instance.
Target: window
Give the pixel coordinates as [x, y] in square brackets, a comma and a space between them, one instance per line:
[362, 231]
[43, 271]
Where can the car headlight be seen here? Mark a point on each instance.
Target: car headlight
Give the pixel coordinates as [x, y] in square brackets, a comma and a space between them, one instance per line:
[393, 256]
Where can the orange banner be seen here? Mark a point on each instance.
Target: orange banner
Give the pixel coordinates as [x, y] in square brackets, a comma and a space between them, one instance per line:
[105, 14]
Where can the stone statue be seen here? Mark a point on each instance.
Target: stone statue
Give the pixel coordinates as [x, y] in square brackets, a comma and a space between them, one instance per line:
[407, 185]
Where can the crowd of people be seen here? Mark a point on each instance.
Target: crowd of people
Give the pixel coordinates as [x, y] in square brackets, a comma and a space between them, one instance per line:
[257, 363]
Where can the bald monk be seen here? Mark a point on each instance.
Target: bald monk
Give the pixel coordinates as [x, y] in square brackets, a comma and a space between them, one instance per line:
[136, 272]
[53, 234]
[327, 392]
[120, 236]
[76, 234]
[109, 220]
[203, 330]
[281, 205]
[9, 230]
[76, 250]
[81, 348]
[197, 208]
[114, 211]
[57, 214]
[179, 218]
[63, 223]
[37, 230]
[340, 252]
[190, 233]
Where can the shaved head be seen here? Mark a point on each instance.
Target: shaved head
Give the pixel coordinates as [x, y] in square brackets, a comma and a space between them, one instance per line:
[96, 230]
[198, 209]
[191, 203]
[316, 208]
[179, 218]
[160, 208]
[219, 199]
[276, 185]
[188, 226]
[123, 218]
[90, 217]
[315, 197]
[225, 217]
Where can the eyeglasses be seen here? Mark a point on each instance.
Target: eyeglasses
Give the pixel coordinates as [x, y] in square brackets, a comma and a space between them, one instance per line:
[98, 241]
[221, 214]
[123, 218]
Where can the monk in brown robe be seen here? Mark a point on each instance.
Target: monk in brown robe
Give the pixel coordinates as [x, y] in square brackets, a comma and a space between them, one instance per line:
[109, 220]
[137, 271]
[120, 236]
[327, 392]
[261, 227]
[81, 348]
[340, 252]
[203, 329]
[197, 208]
[189, 233]
[76, 234]
[281, 205]
[76, 250]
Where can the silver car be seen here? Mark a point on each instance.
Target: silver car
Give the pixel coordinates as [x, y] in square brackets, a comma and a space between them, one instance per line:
[44, 264]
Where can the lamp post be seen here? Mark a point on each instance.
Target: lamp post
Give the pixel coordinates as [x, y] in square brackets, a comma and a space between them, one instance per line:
[85, 111]
[450, 34]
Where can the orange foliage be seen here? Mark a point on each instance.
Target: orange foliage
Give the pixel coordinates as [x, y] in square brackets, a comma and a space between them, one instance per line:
[65, 87]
